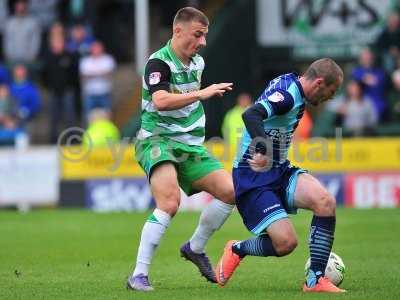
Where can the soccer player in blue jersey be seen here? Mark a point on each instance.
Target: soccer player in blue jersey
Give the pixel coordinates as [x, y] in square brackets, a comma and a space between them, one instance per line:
[268, 187]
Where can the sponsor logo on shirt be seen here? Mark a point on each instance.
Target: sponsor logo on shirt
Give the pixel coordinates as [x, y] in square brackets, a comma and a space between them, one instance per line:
[154, 78]
[277, 135]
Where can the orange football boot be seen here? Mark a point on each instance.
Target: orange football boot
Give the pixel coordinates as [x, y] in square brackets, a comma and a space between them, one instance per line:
[323, 286]
[227, 264]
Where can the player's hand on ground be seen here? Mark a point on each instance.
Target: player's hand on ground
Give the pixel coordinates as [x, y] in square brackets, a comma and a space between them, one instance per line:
[259, 162]
[216, 89]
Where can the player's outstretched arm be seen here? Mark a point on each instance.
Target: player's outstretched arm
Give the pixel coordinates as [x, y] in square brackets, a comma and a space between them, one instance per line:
[216, 89]
[164, 100]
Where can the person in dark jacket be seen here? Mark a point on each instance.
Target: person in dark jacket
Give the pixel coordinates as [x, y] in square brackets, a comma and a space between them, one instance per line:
[59, 71]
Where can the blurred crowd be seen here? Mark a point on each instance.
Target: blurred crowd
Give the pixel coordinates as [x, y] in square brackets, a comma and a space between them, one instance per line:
[50, 54]
[48, 49]
[369, 101]
[371, 96]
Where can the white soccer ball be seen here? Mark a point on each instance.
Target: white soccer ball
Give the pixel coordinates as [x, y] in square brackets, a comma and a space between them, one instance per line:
[335, 269]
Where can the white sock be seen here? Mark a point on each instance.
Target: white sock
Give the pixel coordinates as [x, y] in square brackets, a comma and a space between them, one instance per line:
[211, 219]
[152, 232]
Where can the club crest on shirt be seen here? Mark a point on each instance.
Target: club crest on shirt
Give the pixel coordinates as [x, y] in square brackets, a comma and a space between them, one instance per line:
[155, 152]
[154, 78]
[276, 97]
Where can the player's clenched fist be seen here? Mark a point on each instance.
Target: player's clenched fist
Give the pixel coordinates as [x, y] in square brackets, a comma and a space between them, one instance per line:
[260, 162]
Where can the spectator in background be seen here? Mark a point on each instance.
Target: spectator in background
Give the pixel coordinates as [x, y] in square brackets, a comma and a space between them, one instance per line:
[45, 11]
[359, 115]
[388, 42]
[59, 71]
[4, 75]
[80, 40]
[56, 30]
[101, 130]
[394, 97]
[373, 81]
[3, 19]
[22, 36]
[8, 120]
[95, 71]
[25, 93]
[304, 129]
[232, 126]
[72, 11]
[3, 14]
[7, 108]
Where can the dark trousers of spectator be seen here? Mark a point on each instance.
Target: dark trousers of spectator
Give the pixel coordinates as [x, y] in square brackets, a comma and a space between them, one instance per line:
[96, 101]
[62, 109]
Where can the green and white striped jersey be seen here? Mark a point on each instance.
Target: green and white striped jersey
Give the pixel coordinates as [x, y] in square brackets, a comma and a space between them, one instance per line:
[185, 125]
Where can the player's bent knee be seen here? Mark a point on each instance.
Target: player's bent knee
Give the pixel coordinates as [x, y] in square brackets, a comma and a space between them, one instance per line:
[286, 245]
[325, 205]
[170, 208]
[169, 201]
[228, 196]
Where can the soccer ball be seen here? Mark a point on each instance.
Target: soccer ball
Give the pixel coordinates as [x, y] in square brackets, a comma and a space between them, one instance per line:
[335, 269]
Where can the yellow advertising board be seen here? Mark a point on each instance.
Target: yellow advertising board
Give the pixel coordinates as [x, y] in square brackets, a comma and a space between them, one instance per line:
[315, 155]
[347, 155]
[80, 162]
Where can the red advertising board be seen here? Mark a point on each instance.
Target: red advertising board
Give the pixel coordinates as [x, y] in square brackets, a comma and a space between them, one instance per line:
[365, 190]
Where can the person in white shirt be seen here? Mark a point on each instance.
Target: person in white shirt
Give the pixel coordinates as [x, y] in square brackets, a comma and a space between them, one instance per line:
[95, 71]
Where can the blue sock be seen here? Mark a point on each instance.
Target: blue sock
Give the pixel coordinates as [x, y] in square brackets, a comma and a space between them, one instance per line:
[259, 246]
[320, 242]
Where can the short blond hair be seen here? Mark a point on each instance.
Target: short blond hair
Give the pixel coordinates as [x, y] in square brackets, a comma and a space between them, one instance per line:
[188, 14]
[326, 68]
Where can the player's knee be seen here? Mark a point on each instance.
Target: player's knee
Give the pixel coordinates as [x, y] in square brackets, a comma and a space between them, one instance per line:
[325, 205]
[170, 202]
[228, 195]
[285, 245]
[171, 208]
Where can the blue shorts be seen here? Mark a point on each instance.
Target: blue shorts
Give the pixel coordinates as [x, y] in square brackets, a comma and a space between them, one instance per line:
[265, 197]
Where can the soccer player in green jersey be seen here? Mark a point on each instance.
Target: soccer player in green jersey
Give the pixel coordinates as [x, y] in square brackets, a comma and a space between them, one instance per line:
[170, 148]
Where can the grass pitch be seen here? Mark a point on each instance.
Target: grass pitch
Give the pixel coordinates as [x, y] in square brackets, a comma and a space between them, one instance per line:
[64, 254]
